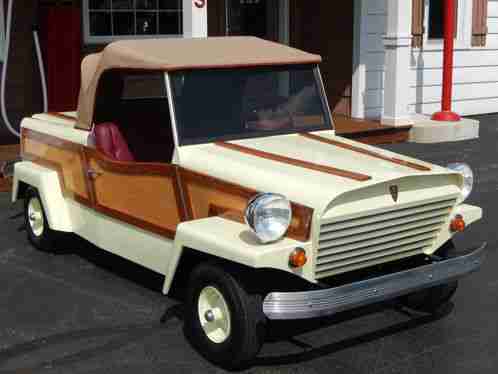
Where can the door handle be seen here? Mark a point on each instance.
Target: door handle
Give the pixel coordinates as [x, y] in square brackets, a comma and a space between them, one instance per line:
[92, 174]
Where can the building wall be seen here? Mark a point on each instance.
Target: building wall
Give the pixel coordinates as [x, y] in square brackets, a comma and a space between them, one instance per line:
[23, 92]
[475, 73]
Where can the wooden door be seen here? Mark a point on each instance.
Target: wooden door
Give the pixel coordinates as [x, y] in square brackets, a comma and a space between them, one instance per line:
[146, 195]
[61, 38]
[326, 27]
[236, 17]
[216, 18]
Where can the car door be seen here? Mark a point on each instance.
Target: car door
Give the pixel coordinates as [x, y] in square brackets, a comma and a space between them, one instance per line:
[144, 191]
[145, 195]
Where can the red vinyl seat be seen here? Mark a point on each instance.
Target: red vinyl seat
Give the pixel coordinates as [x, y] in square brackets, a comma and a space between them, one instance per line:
[110, 141]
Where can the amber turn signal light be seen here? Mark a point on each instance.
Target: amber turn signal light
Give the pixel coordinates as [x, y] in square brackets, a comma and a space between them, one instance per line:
[457, 224]
[297, 258]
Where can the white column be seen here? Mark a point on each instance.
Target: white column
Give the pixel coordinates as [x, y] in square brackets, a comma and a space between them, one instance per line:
[397, 42]
[195, 19]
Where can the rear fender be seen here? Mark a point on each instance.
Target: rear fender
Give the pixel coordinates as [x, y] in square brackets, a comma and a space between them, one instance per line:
[47, 182]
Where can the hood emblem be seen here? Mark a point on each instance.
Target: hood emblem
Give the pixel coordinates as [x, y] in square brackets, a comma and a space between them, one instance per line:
[394, 192]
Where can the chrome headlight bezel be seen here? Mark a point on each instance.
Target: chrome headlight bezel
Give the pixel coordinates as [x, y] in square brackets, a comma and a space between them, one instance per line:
[468, 177]
[255, 213]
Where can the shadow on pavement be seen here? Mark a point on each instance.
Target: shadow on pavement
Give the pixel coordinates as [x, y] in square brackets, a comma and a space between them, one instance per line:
[285, 332]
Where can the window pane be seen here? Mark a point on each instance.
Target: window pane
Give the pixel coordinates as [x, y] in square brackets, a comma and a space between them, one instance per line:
[170, 4]
[100, 23]
[99, 4]
[146, 23]
[146, 4]
[124, 23]
[122, 4]
[248, 103]
[170, 23]
[436, 19]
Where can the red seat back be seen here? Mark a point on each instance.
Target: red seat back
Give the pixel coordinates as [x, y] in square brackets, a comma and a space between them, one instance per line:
[111, 142]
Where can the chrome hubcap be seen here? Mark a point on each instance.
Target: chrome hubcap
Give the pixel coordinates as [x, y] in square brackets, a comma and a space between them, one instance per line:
[35, 216]
[214, 315]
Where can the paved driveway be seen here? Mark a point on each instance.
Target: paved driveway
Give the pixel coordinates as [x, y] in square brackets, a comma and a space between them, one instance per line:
[89, 312]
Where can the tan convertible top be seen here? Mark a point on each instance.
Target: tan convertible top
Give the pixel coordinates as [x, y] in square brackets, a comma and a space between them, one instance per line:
[180, 54]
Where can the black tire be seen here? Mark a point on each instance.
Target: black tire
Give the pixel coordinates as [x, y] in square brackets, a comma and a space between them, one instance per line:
[431, 300]
[44, 240]
[247, 320]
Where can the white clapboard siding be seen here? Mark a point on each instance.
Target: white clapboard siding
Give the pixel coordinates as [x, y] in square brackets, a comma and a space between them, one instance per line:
[470, 107]
[434, 77]
[475, 69]
[432, 94]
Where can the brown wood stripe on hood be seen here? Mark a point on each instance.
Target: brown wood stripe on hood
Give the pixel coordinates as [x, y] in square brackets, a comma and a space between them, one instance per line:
[295, 162]
[367, 152]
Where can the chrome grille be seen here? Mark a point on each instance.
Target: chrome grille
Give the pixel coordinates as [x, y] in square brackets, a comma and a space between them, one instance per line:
[348, 244]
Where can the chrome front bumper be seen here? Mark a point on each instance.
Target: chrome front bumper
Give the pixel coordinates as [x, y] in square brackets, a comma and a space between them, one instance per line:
[312, 304]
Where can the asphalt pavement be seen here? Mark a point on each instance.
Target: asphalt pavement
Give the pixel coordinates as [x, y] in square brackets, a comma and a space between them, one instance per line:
[86, 311]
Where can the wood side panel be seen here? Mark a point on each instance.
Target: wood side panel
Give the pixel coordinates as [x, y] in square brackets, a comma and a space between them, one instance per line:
[295, 162]
[142, 194]
[223, 212]
[66, 158]
[206, 196]
[152, 199]
[366, 152]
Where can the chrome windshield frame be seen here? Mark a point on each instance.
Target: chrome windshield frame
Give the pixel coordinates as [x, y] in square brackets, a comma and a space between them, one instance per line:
[323, 95]
[172, 112]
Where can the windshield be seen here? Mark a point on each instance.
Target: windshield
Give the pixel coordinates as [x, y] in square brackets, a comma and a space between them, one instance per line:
[221, 104]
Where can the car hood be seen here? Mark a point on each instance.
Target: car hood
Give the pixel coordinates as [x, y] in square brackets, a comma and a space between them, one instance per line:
[300, 184]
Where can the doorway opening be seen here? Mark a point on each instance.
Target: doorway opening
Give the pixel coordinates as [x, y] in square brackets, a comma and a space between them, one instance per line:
[323, 27]
[327, 28]
[244, 17]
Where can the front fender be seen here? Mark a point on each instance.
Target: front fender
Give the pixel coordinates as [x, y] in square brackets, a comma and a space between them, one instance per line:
[233, 241]
[46, 181]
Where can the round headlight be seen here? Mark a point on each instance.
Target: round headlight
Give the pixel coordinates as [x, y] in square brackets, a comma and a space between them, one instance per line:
[468, 177]
[269, 216]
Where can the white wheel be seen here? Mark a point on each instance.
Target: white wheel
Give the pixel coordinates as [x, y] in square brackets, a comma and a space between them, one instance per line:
[35, 216]
[222, 321]
[214, 315]
[37, 227]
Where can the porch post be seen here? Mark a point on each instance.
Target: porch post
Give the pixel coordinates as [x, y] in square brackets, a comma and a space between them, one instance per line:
[195, 18]
[397, 43]
[449, 33]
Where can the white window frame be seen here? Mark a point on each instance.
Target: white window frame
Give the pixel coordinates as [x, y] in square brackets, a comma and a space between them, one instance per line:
[464, 27]
[93, 39]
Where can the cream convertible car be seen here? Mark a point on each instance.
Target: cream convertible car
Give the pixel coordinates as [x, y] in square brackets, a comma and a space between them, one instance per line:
[214, 162]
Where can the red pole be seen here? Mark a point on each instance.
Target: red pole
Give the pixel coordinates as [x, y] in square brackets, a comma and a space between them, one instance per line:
[449, 33]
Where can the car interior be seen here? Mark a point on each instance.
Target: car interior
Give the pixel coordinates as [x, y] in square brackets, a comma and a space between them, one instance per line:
[132, 119]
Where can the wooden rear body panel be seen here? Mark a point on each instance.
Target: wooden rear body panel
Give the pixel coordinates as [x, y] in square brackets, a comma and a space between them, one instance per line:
[65, 157]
